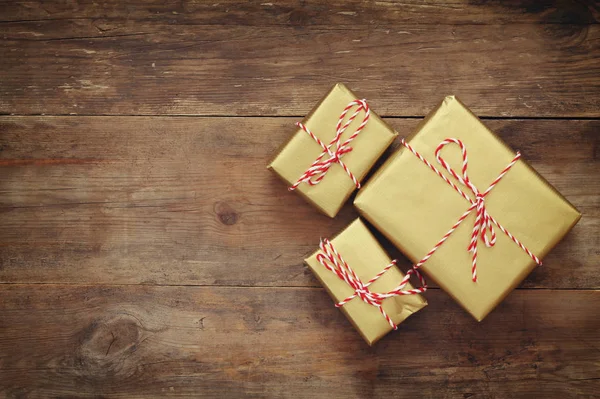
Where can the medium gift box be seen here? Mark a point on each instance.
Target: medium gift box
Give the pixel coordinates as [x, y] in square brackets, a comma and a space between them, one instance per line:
[467, 210]
[365, 283]
[332, 150]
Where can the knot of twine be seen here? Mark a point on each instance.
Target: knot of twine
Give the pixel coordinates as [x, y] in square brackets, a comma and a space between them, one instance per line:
[335, 150]
[333, 261]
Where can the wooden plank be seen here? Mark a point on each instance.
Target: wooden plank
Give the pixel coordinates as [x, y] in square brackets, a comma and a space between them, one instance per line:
[160, 66]
[180, 200]
[294, 12]
[136, 341]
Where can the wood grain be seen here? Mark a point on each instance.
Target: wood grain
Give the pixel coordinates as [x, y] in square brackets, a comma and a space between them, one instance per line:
[145, 250]
[188, 201]
[166, 64]
[135, 341]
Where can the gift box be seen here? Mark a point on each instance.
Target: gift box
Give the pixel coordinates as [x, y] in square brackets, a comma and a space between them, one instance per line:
[332, 150]
[467, 210]
[364, 282]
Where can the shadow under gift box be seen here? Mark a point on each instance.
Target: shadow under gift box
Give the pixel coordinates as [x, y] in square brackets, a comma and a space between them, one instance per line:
[414, 208]
[298, 154]
[360, 249]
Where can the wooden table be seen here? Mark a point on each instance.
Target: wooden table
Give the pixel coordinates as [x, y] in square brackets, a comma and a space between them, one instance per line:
[146, 251]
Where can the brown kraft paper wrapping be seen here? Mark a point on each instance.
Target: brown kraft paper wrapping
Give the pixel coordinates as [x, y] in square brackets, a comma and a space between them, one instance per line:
[414, 208]
[298, 154]
[366, 257]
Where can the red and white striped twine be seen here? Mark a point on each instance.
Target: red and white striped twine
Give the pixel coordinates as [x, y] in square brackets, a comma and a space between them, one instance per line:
[317, 171]
[331, 259]
[483, 227]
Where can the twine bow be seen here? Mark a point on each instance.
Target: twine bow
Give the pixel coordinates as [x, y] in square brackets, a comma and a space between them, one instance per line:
[483, 227]
[317, 171]
[333, 261]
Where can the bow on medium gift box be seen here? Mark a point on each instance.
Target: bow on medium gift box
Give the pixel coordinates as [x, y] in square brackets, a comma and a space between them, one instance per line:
[423, 208]
[332, 150]
[365, 283]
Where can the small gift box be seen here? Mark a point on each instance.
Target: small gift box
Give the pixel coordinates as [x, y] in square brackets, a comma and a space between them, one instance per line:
[442, 208]
[332, 150]
[365, 283]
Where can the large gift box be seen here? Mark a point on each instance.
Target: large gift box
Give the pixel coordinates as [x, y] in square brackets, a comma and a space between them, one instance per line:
[364, 282]
[465, 208]
[332, 150]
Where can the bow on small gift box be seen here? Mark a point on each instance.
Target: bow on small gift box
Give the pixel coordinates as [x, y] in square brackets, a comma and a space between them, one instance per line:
[365, 283]
[316, 172]
[331, 259]
[327, 174]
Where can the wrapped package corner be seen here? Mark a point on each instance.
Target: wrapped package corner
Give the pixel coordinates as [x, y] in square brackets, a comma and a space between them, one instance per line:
[414, 208]
[300, 151]
[361, 250]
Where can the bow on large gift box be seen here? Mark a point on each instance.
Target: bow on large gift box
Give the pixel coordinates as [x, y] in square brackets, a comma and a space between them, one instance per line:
[425, 209]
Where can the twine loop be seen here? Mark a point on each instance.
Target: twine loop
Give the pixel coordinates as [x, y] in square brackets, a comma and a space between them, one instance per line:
[335, 150]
